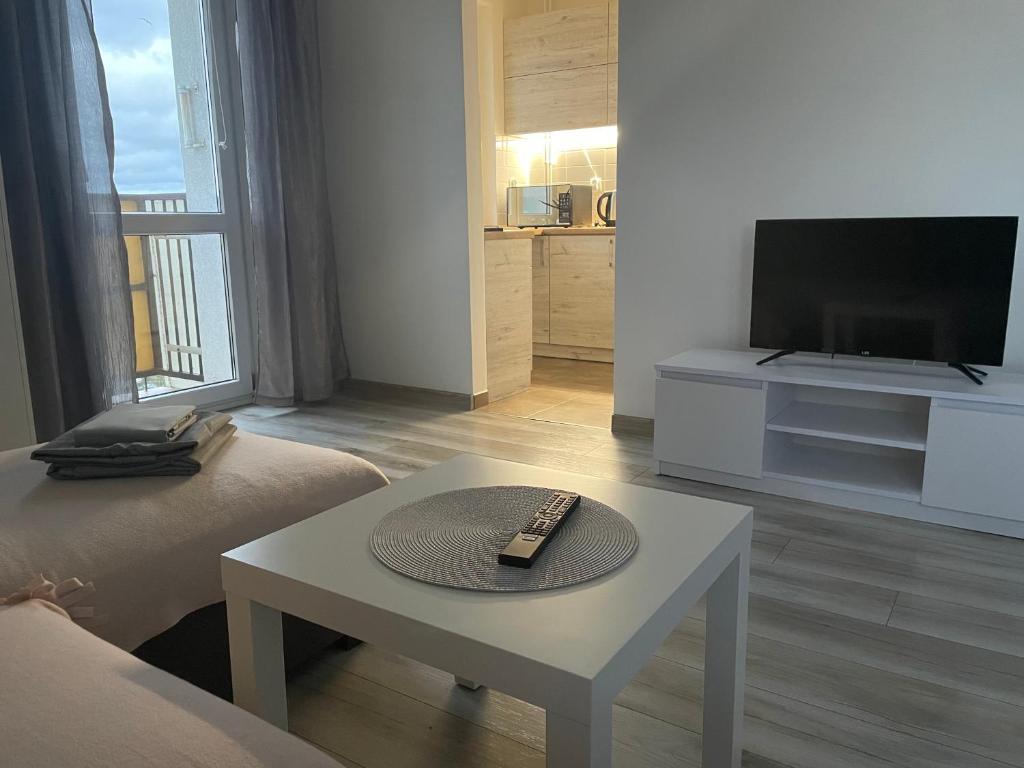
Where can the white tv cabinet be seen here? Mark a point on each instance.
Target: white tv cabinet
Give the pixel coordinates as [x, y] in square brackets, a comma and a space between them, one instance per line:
[899, 439]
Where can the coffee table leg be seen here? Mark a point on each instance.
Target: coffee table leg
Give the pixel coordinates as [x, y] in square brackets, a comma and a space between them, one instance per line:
[725, 657]
[257, 660]
[571, 744]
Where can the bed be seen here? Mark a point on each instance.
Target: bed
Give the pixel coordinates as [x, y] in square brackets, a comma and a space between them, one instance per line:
[151, 546]
[69, 698]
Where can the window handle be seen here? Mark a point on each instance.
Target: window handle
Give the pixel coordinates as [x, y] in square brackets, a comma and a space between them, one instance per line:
[186, 112]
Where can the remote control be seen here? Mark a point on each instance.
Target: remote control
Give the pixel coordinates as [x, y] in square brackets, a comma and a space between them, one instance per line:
[535, 535]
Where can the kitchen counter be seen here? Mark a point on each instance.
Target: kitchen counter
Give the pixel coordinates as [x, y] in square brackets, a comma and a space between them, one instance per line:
[575, 231]
[510, 234]
[516, 234]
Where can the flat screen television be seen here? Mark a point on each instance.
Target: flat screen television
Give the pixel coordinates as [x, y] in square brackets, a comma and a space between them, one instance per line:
[935, 289]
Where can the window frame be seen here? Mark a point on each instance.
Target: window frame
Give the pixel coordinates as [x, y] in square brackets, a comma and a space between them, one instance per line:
[231, 222]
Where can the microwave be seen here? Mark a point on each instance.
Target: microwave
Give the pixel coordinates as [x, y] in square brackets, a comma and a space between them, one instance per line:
[554, 205]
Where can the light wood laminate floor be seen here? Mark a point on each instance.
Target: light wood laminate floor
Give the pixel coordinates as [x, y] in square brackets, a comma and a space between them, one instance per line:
[874, 641]
[564, 391]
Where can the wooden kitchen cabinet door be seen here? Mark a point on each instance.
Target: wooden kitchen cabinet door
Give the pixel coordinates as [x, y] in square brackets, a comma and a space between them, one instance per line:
[613, 31]
[557, 101]
[541, 292]
[547, 42]
[582, 279]
[508, 266]
[613, 94]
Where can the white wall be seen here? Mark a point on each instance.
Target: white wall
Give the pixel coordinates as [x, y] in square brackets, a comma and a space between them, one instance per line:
[395, 133]
[734, 110]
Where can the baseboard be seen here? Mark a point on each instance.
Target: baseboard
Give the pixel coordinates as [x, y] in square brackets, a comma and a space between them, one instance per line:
[420, 394]
[632, 425]
[595, 354]
[480, 399]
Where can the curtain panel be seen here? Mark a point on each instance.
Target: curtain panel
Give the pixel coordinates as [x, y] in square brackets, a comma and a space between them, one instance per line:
[300, 353]
[69, 255]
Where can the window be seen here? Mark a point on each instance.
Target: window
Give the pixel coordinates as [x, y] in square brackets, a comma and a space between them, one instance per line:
[176, 167]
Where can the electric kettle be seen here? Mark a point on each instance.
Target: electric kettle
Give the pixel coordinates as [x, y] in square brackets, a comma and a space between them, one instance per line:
[606, 205]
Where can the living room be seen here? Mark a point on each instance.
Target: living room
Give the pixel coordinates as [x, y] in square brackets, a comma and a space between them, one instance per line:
[811, 561]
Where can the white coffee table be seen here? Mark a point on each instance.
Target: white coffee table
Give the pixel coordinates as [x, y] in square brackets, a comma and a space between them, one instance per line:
[569, 651]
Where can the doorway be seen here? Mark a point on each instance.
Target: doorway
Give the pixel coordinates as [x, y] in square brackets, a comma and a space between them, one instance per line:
[548, 104]
[563, 391]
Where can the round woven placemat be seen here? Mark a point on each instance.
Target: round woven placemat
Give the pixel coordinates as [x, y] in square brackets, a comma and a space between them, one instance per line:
[453, 539]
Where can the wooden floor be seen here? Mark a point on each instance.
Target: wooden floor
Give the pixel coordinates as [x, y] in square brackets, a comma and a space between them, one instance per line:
[563, 391]
[874, 641]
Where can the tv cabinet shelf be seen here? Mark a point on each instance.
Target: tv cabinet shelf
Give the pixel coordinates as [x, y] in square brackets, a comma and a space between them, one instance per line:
[897, 477]
[871, 426]
[916, 441]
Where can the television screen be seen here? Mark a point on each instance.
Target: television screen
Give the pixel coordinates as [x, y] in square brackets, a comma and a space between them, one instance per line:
[933, 289]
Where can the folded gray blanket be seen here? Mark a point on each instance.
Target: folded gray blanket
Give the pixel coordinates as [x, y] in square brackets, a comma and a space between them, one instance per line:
[168, 465]
[181, 457]
[135, 423]
[63, 447]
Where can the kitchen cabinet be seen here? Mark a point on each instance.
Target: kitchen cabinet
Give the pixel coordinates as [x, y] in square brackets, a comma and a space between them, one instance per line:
[613, 31]
[508, 267]
[559, 40]
[541, 292]
[613, 94]
[582, 291]
[557, 101]
[556, 69]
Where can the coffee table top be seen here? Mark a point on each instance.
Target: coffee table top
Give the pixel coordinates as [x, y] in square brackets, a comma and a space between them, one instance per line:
[322, 569]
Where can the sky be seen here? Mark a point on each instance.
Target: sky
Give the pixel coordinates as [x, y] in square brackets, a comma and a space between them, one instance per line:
[135, 45]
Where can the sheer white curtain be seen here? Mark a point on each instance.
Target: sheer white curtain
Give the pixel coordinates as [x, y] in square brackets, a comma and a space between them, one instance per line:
[68, 251]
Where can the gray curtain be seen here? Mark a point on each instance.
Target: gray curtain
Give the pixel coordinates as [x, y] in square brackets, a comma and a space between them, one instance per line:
[69, 255]
[300, 351]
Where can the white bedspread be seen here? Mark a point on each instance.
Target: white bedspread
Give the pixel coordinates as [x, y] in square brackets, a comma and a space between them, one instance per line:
[151, 546]
[69, 699]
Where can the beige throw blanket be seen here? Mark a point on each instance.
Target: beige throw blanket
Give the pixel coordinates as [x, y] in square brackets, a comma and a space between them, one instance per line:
[152, 545]
[69, 699]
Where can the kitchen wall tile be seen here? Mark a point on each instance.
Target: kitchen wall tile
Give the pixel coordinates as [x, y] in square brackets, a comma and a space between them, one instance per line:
[544, 166]
[579, 175]
[572, 157]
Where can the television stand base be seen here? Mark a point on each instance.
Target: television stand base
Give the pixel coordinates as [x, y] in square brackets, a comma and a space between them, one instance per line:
[969, 372]
[776, 356]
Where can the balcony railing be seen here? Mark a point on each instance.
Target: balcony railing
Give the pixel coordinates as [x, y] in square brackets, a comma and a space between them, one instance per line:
[163, 284]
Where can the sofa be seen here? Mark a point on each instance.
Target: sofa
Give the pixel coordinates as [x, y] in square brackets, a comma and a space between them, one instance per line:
[71, 699]
[151, 546]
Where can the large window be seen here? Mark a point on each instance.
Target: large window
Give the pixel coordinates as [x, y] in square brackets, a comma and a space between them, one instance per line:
[169, 77]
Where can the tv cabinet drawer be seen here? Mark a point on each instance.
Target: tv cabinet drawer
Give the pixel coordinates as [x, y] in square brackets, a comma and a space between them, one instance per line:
[973, 459]
[717, 425]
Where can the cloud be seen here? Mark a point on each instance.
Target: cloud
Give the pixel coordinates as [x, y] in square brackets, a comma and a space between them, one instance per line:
[135, 45]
